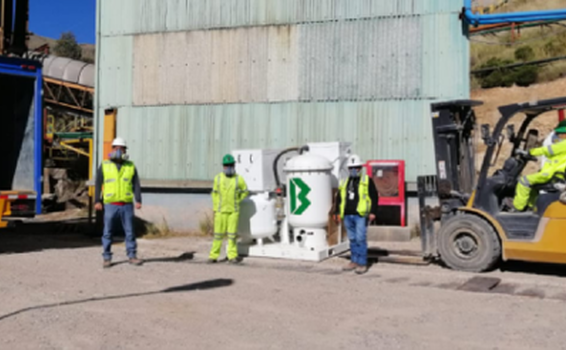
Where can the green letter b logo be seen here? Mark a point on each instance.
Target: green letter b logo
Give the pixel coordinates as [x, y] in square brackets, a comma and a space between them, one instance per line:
[299, 201]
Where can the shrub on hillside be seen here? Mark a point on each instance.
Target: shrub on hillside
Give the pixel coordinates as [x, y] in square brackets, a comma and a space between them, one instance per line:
[506, 77]
[526, 75]
[525, 53]
[498, 77]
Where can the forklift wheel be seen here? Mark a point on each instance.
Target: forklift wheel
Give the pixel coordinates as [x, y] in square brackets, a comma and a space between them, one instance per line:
[468, 243]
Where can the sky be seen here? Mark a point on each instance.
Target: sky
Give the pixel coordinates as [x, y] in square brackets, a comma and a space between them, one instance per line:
[50, 18]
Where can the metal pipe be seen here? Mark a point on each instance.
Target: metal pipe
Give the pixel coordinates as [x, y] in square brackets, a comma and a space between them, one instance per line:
[528, 16]
[501, 27]
[292, 149]
[74, 149]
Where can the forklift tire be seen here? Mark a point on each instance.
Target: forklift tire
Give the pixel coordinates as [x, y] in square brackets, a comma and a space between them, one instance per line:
[468, 243]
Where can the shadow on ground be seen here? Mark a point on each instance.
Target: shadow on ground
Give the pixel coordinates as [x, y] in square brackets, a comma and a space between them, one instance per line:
[205, 285]
[35, 235]
[175, 259]
[556, 270]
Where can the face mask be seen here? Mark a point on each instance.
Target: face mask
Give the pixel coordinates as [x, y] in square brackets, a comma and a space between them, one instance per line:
[229, 171]
[354, 172]
[119, 155]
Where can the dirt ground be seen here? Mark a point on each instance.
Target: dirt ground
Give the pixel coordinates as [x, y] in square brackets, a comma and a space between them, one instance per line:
[55, 295]
[497, 97]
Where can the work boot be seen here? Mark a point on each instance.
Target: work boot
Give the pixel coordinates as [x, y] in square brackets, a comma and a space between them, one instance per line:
[350, 267]
[234, 261]
[212, 261]
[135, 261]
[509, 206]
[360, 270]
[107, 264]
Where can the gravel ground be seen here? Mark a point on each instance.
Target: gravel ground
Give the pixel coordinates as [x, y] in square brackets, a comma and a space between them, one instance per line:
[61, 298]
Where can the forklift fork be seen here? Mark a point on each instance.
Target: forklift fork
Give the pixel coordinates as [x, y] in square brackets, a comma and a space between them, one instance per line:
[426, 187]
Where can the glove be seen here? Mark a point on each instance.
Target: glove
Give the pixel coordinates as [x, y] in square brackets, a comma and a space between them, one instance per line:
[560, 187]
[521, 152]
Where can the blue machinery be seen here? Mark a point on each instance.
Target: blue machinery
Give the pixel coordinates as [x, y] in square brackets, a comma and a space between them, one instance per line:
[31, 70]
[512, 17]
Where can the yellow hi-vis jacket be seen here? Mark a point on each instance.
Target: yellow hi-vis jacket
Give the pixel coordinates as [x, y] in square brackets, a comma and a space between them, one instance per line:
[228, 192]
[556, 154]
[364, 203]
[118, 186]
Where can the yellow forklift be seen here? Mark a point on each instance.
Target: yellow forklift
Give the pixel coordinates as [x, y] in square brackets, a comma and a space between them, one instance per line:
[475, 229]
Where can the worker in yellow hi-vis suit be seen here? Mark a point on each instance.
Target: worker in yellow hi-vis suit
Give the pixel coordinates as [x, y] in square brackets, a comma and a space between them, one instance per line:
[556, 154]
[228, 191]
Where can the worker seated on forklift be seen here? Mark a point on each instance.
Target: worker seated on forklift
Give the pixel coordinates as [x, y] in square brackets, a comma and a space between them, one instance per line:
[556, 154]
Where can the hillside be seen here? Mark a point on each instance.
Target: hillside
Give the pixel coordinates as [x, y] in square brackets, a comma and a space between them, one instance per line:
[36, 41]
[526, 44]
[496, 97]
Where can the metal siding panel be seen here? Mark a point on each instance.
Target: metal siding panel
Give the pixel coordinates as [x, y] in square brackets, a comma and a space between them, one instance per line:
[145, 70]
[115, 69]
[188, 142]
[242, 55]
[361, 60]
[151, 16]
[172, 79]
[220, 55]
[199, 52]
[258, 64]
[445, 60]
[282, 66]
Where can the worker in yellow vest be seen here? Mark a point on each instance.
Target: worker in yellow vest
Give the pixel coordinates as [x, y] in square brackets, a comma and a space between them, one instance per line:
[357, 205]
[556, 154]
[228, 191]
[121, 187]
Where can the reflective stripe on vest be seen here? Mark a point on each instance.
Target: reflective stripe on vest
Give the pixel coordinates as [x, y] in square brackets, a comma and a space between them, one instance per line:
[364, 203]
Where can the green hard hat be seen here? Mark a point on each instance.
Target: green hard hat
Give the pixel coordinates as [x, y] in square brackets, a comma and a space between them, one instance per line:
[228, 160]
[561, 128]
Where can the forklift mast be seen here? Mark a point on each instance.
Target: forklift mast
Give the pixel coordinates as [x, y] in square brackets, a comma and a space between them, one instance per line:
[453, 127]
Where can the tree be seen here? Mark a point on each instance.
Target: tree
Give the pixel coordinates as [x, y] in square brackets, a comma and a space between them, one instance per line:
[67, 46]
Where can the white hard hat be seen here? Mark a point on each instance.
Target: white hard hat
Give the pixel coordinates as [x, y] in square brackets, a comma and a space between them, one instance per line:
[355, 161]
[119, 142]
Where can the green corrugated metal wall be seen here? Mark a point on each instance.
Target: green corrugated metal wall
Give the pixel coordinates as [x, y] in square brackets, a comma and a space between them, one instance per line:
[173, 140]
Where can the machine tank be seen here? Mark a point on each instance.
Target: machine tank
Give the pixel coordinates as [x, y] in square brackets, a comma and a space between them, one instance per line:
[257, 217]
[309, 191]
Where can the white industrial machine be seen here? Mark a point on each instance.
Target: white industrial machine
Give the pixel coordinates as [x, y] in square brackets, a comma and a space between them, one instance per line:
[294, 223]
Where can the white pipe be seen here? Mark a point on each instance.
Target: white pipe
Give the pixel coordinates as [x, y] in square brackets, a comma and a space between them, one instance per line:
[284, 232]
